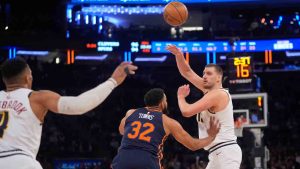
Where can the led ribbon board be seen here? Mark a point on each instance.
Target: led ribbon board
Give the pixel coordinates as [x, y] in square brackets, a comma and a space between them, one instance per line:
[159, 1]
[223, 46]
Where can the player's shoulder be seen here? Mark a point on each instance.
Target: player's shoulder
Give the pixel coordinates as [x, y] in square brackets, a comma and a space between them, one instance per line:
[41, 93]
[168, 120]
[130, 112]
[218, 93]
[37, 93]
[168, 123]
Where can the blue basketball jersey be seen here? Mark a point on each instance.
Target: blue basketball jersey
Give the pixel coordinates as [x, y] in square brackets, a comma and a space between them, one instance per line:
[144, 130]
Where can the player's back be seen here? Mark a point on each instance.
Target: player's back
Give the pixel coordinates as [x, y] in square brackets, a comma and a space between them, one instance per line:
[20, 129]
[144, 130]
[143, 139]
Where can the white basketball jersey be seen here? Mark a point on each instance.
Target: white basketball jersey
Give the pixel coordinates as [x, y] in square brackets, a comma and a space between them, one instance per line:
[226, 121]
[19, 126]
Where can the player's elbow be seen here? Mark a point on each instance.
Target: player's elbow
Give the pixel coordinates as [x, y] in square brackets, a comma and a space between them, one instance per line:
[80, 111]
[84, 111]
[74, 112]
[72, 106]
[187, 113]
[192, 148]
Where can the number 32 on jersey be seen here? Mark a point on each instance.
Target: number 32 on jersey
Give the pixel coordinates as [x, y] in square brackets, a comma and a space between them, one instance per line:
[137, 125]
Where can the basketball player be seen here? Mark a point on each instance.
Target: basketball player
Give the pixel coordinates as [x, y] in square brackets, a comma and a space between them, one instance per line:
[224, 152]
[22, 111]
[145, 129]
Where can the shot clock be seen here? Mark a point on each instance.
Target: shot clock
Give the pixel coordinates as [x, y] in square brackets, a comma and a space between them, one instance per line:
[240, 74]
[242, 66]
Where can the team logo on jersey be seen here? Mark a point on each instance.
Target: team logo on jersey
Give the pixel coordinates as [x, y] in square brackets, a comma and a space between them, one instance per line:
[146, 116]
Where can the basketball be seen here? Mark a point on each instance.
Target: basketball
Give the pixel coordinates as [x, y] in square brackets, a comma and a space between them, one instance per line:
[175, 13]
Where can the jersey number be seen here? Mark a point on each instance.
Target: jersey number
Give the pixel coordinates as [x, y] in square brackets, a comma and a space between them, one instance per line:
[137, 125]
[3, 122]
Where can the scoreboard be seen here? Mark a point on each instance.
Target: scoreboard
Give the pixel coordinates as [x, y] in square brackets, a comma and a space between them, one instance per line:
[159, 47]
[143, 47]
[242, 67]
[240, 74]
[224, 47]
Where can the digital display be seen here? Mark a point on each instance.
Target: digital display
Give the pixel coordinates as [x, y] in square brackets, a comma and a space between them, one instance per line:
[157, 1]
[158, 47]
[134, 46]
[240, 74]
[91, 45]
[223, 46]
[143, 46]
[242, 66]
[107, 46]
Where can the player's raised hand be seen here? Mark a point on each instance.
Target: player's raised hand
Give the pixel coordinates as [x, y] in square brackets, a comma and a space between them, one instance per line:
[174, 49]
[214, 127]
[124, 69]
[183, 91]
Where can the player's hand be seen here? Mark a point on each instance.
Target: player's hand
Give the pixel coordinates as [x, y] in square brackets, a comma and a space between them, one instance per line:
[124, 69]
[174, 50]
[214, 127]
[183, 91]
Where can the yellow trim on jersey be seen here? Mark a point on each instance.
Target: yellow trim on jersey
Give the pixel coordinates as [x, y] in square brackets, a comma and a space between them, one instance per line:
[4, 114]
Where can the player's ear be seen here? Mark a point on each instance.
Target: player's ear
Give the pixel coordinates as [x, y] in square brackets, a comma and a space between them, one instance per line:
[219, 78]
[28, 79]
[161, 105]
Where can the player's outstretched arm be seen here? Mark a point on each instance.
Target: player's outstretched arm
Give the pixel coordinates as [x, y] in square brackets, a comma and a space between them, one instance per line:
[122, 123]
[185, 69]
[206, 102]
[175, 129]
[86, 101]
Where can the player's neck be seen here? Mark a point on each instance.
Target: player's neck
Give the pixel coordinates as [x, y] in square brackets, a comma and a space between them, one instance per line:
[154, 109]
[12, 87]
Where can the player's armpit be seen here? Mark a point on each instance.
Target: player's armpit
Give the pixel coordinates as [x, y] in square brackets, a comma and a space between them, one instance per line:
[122, 123]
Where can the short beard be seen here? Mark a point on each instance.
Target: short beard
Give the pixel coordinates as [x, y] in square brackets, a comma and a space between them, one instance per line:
[208, 87]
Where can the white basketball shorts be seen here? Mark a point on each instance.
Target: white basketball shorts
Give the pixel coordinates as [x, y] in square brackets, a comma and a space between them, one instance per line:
[225, 157]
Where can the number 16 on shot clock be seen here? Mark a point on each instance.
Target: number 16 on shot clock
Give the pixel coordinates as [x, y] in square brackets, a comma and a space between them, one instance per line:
[243, 66]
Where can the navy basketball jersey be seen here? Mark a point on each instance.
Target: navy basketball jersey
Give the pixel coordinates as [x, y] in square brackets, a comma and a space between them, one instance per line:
[144, 130]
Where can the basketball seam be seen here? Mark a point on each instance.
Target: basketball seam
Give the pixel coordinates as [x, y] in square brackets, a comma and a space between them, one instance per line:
[178, 12]
[172, 16]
